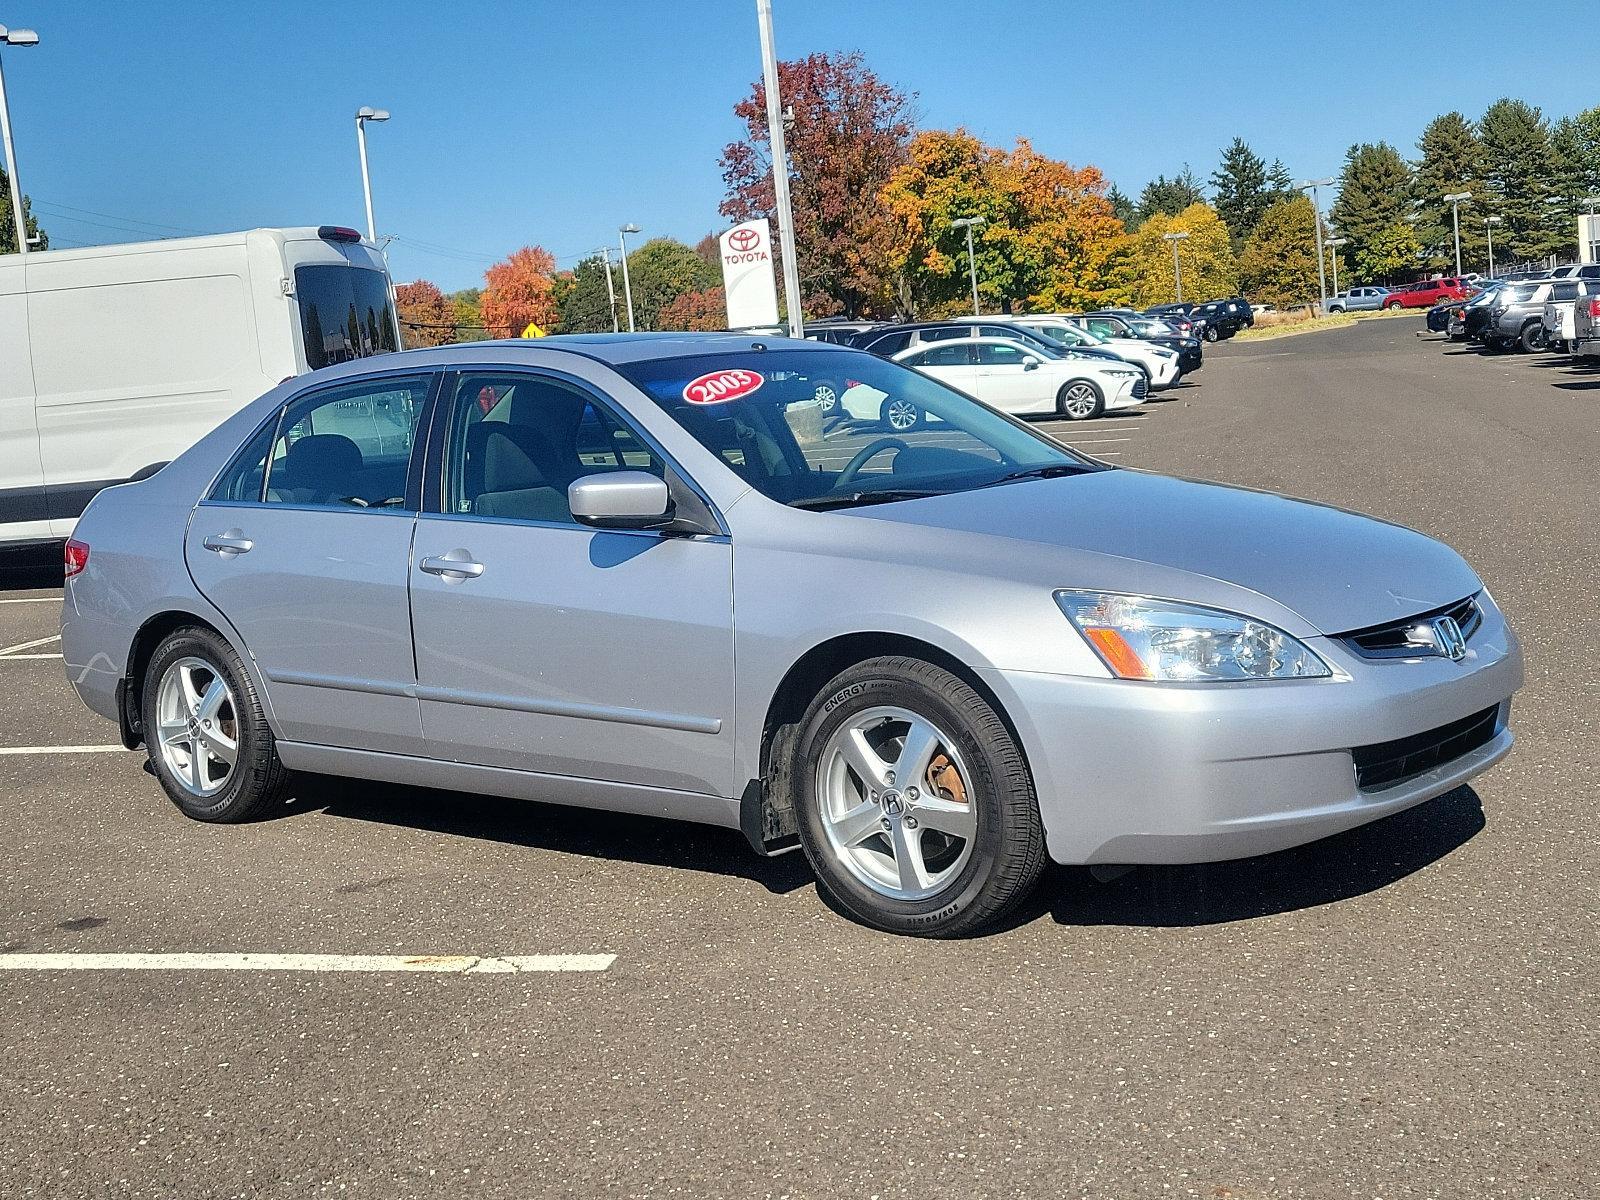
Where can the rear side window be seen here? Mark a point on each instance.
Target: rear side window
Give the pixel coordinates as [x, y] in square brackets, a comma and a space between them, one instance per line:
[1565, 290]
[348, 447]
[246, 477]
[344, 313]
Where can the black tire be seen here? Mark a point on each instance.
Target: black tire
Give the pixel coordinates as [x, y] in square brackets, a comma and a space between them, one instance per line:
[1211, 333]
[259, 781]
[1071, 393]
[1532, 337]
[1008, 852]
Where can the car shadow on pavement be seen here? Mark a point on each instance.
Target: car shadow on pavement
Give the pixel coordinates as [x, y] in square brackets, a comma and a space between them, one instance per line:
[30, 567]
[1583, 385]
[1336, 868]
[648, 840]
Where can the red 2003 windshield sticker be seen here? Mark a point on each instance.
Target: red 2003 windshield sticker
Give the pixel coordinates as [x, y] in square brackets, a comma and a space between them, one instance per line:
[721, 386]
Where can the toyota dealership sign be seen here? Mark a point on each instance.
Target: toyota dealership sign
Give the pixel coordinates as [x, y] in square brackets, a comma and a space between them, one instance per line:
[747, 276]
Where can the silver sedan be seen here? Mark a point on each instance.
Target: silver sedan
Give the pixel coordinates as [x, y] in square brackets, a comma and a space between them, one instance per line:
[650, 575]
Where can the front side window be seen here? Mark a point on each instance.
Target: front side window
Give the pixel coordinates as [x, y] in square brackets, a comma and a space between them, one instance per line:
[517, 441]
[897, 434]
[992, 354]
[344, 313]
[348, 447]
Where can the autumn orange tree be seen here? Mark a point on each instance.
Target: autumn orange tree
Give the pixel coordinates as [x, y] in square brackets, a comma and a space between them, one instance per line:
[849, 134]
[1049, 240]
[427, 315]
[697, 312]
[520, 291]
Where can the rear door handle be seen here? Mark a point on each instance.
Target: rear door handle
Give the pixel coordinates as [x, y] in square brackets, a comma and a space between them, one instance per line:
[229, 543]
[453, 567]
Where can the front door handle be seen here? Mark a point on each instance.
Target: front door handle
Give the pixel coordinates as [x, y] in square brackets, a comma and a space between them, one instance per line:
[453, 567]
[230, 543]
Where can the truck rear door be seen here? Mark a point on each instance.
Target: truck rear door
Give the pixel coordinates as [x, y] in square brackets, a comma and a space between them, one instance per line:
[22, 515]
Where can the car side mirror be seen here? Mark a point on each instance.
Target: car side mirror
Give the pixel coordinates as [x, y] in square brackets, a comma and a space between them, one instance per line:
[1030, 363]
[620, 500]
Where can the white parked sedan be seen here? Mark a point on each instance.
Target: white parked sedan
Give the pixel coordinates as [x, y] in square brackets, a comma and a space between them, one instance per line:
[1160, 363]
[1015, 377]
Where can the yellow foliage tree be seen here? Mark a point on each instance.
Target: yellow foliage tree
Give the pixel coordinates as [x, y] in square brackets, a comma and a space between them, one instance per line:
[1206, 257]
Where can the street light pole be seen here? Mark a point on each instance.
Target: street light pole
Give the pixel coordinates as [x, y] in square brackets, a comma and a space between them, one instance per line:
[14, 37]
[780, 170]
[363, 115]
[627, 286]
[1488, 228]
[1333, 245]
[1454, 199]
[1177, 271]
[1312, 185]
[969, 224]
[611, 291]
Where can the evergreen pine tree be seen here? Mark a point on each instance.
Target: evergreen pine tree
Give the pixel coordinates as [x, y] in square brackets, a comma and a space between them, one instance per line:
[1375, 193]
[1280, 184]
[1170, 196]
[1518, 165]
[1240, 187]
[1122, 207]
[1452, 161]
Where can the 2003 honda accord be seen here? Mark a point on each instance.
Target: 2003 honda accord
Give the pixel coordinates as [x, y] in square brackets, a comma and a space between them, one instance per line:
[648, 574]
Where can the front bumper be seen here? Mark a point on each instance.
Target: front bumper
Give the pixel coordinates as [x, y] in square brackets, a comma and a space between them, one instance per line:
[1162, 773]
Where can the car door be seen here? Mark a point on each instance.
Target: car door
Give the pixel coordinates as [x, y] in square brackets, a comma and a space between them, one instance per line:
[304, 544]
[544, 644]
[949, 362]
[1009, 378]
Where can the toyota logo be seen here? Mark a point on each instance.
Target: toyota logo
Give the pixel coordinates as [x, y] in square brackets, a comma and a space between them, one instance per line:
[744, 240]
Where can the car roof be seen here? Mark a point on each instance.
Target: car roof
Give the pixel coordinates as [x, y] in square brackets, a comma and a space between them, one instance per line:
[610, 348]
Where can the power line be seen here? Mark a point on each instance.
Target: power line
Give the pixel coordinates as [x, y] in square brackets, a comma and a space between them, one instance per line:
[89, 212]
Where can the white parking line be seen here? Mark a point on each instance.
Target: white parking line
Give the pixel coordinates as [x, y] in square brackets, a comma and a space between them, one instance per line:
[62, 749]
[1094, 441]
[34, 600]
[25, 657]
[44, 641]
[446, 964]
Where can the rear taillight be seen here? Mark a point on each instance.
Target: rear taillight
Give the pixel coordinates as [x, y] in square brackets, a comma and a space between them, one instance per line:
[850, 383]
[1594, 308]
[338, 233]
[76, 556]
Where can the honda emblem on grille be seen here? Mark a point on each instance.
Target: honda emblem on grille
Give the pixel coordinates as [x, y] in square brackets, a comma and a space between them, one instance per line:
[1448, 638]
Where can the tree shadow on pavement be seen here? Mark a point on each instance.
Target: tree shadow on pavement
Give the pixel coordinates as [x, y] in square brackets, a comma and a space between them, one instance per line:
[1337, 868]
[648, 840]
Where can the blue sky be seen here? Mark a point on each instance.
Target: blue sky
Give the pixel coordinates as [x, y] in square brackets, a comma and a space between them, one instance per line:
[546, 123]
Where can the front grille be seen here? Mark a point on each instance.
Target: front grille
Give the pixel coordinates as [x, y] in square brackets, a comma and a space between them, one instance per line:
[1386, 764]
[1394, 639]
[1140, 387]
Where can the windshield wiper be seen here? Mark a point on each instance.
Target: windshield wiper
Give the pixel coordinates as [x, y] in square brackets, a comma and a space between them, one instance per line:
[852, 499]
[1051, 471]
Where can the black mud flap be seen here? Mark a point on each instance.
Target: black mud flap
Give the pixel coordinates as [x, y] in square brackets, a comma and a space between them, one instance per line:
[769, 830]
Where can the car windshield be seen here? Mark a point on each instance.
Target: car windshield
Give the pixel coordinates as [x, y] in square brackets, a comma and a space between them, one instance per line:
[888, 433]
[1150, 328]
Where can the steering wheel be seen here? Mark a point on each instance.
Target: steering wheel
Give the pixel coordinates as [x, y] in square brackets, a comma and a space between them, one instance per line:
[866, 455]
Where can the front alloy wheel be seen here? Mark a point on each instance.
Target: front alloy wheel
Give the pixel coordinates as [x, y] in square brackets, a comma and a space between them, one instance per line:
[893, 796]
[827, 397]
[1080, 400]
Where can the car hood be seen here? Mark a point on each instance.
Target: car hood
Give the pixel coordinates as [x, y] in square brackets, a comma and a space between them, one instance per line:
[1254, 552]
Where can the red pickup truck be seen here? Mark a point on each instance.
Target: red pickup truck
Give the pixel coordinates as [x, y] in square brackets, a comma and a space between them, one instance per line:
[1426, 294]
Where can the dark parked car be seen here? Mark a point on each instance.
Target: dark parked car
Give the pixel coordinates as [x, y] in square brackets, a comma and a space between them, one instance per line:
[1113, 324]
[1221, 317]
[1180, 316]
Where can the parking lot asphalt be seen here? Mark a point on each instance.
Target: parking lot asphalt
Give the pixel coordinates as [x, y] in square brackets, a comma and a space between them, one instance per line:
[1406, 1010]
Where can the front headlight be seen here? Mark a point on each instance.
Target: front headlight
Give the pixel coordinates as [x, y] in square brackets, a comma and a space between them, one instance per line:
[1140, 638]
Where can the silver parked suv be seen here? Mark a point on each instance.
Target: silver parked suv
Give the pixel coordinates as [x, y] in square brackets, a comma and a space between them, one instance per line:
[643, 574]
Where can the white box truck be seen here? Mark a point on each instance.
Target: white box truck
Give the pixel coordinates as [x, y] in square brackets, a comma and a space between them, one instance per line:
[114, 359]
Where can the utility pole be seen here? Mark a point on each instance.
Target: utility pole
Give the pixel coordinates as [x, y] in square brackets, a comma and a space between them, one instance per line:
[1333, 245]
[1454, 200]
[1488, 228]
[627, 286]
[780, 170]
[611, 291]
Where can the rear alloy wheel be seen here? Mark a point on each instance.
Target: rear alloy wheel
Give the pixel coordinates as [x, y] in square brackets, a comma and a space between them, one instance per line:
[1533, 336]
[1080, 400]
[1211, 333]
[1391, 306]
[206, 733]
[900, 415]
[827, 397]
[916, 809]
